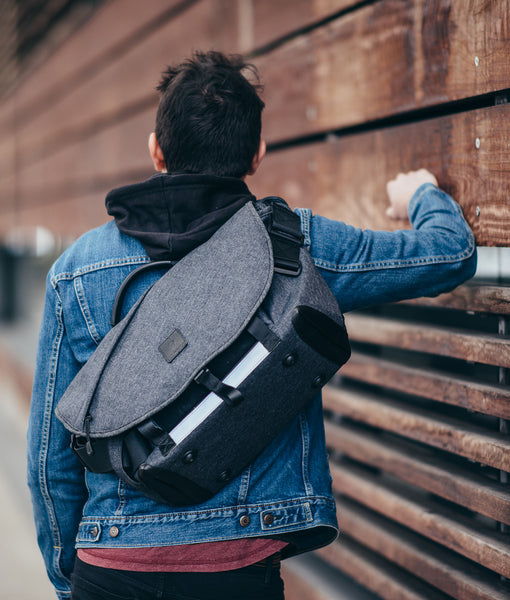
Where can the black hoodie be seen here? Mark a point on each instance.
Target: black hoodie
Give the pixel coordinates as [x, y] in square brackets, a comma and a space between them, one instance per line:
[172, 214]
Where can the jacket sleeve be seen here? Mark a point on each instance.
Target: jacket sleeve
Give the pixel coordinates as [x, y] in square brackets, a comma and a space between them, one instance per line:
[55, 477]
[364, 267]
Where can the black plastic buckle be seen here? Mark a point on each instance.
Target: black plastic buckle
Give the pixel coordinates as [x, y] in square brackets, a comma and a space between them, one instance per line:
[293, 269]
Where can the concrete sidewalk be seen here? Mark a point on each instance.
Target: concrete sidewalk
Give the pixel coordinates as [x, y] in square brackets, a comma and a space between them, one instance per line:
[22, 572]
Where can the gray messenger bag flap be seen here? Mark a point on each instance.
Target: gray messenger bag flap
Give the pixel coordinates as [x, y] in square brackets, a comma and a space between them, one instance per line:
[211, 362]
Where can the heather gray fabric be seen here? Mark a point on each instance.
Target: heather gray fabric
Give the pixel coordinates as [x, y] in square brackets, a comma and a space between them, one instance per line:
[189, 317]
[128, 378]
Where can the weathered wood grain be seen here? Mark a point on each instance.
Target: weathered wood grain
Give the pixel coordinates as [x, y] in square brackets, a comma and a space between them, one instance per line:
[443, 569]
[471, 297]
[478, 543]
[423, 426]
[376, 574]
[386, 58]
[274, 19]
[444, 341]
[345, 178]
[427, 383]
[447, 480]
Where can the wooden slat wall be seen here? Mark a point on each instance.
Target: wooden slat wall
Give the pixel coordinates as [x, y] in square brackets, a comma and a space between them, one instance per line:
[356, 91]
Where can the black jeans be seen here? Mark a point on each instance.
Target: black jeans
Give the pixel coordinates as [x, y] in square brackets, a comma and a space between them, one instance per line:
[256, 582]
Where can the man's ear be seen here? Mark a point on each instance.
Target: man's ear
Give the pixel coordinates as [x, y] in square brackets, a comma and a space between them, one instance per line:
[257, 159]
[156, 153]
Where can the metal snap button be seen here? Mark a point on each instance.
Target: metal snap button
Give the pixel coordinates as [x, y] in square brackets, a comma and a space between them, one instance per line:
[268, 519]
[245, 521]
[289, 360]
[114, 531]
[94, 531]
[189, 457]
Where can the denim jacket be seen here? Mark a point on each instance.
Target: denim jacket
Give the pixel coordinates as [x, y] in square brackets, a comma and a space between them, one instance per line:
[286, 493]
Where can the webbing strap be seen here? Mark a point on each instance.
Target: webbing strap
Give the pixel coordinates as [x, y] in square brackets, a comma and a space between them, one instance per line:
[261, 332]
[117, 305]
[287, 239]
[227, 393]
[157, 435]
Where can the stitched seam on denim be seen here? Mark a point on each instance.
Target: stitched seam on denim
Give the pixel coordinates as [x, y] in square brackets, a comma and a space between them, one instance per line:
[85, 311]
[220, 512]
[303, 526]
[414, 262]
[107, 264]
[307, 519]
[428, 186]
[43, 453]
[305, 444]
[121, 491]
[305, 218]
[244, 486]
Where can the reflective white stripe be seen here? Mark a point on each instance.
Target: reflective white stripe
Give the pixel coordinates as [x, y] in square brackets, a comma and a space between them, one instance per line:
[210, 403]
[246, 365]
[198, 415]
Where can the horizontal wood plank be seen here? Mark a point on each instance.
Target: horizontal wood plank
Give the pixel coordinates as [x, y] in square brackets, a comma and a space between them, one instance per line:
[86, 53]
[422, 426]
[342, 179]
[345, 178]
[125, 85]
[455, 343]
[386, 58]
[90, 167]
[485, 547]
[429, 561]
[272, 20]
[428, 383]
[378, 575]
[459, 485]
[471, 297]
[298, 587]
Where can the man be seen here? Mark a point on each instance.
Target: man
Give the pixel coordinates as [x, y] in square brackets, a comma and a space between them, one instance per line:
[103, 539]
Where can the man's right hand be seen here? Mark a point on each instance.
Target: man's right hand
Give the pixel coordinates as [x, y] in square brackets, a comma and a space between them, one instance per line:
[401, 189]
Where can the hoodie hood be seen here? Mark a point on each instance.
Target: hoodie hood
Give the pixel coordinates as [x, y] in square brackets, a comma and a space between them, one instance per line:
[173, 214]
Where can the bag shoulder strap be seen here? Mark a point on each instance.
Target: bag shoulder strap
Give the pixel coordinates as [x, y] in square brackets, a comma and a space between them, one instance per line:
[284, 229]
[121, 292]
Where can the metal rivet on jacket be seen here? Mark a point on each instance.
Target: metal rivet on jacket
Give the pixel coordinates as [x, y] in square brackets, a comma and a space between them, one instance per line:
[268, 519]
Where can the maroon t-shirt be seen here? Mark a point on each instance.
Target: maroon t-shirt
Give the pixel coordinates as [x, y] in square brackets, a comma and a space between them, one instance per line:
[208, 557]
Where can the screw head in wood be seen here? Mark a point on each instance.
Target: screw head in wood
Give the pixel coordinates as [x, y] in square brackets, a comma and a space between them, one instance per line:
[477, 143]
[477, 61]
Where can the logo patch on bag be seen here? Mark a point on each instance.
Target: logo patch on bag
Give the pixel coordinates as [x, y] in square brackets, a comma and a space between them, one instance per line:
[173, 345]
